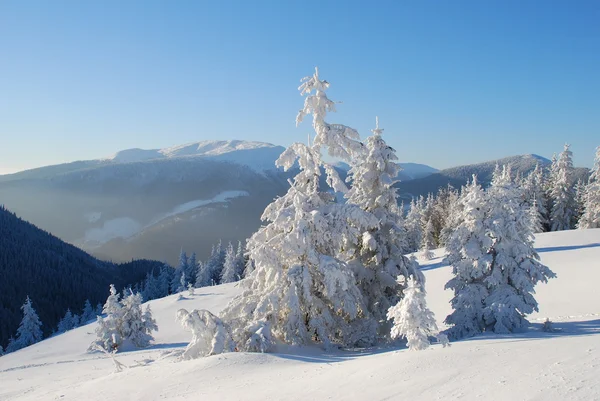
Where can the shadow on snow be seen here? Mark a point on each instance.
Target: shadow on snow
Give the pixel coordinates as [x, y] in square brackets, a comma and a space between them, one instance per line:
[566, 248]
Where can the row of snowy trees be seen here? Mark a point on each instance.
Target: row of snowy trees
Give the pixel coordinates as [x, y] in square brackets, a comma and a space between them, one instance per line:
[225, 265]
[324, 271]
[559, 202]
[73, 320]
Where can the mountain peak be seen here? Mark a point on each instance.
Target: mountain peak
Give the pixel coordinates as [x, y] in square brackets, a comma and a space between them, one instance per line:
[202, 148]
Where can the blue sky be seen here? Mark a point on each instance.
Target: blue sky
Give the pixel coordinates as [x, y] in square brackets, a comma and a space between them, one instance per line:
[453, 82]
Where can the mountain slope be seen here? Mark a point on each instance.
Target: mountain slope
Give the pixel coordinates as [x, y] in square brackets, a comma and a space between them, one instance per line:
[458, 176]
[150, 203]
[535, 365]
[54, 274]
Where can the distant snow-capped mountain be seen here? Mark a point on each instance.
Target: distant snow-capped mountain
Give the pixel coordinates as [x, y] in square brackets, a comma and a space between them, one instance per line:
[258, 155]
[151, 203]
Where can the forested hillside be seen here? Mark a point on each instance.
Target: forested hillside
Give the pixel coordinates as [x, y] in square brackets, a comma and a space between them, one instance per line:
[54, 274]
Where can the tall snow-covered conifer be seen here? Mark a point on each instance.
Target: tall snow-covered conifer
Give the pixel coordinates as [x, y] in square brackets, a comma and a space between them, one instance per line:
[561, 191]
[301, 290]
[30, 328]
[515, 268]
[229, 273]
[427, 242]
[468, 252]
[380, 252]
[590, 217]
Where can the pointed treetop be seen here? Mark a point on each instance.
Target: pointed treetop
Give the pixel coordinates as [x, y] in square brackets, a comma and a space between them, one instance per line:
[377, 130]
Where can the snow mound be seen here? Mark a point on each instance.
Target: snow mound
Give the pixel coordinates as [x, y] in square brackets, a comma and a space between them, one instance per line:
[534, 365]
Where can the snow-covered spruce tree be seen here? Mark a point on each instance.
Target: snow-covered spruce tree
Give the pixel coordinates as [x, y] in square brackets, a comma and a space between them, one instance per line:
[301, 291]
[412, 318]
[515, 268]
[468, 252]
[229, 273]
[414, 229]
[30, 328]
[563, 207]
[210, 273]
[240, 261]
[428, 242]
[108, 333]
[164, 281]
[137, 326]
[180, 270]
[591, 200]
[192, 268]
[445, 205]
[533, 188]
[379, 259]
[535, 218]
[579, 191]
[88, 313]
[68, 322]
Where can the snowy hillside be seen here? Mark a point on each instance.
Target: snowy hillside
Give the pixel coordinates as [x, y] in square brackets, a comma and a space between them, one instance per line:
[233, 151]
[536, 365]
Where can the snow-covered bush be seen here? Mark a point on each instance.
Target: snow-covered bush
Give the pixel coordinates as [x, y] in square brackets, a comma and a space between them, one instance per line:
[209, 334]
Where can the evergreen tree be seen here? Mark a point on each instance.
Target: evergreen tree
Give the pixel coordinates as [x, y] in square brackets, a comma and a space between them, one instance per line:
[212, 268]
[427, 243]
[590, 217]
[192, 269]
[108, 333]
[240, 261]
[301, 291]
[229, 273]
[68, 322]
[180, 270]
[533, 187]
[468, 252]
[164, 281]
[515, 266]
[563, 208]
[414, 228]
[88, 313]
[29, 331]
[412, 318]
[123, 322]
[150, 289]
[579, 190]
[137, 326]
[445, 210]
[380, 252]
[494, 263]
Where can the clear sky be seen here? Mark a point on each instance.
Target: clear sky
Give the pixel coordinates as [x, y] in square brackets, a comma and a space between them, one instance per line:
[453, 82]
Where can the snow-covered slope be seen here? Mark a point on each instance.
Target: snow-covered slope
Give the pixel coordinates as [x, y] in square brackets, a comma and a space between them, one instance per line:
[257, 155]
[535, 365]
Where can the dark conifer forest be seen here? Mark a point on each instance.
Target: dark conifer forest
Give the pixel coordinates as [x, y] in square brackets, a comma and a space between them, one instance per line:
[54, 274]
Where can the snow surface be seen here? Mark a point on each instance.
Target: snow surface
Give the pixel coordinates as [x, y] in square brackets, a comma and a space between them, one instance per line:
[535, 365]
